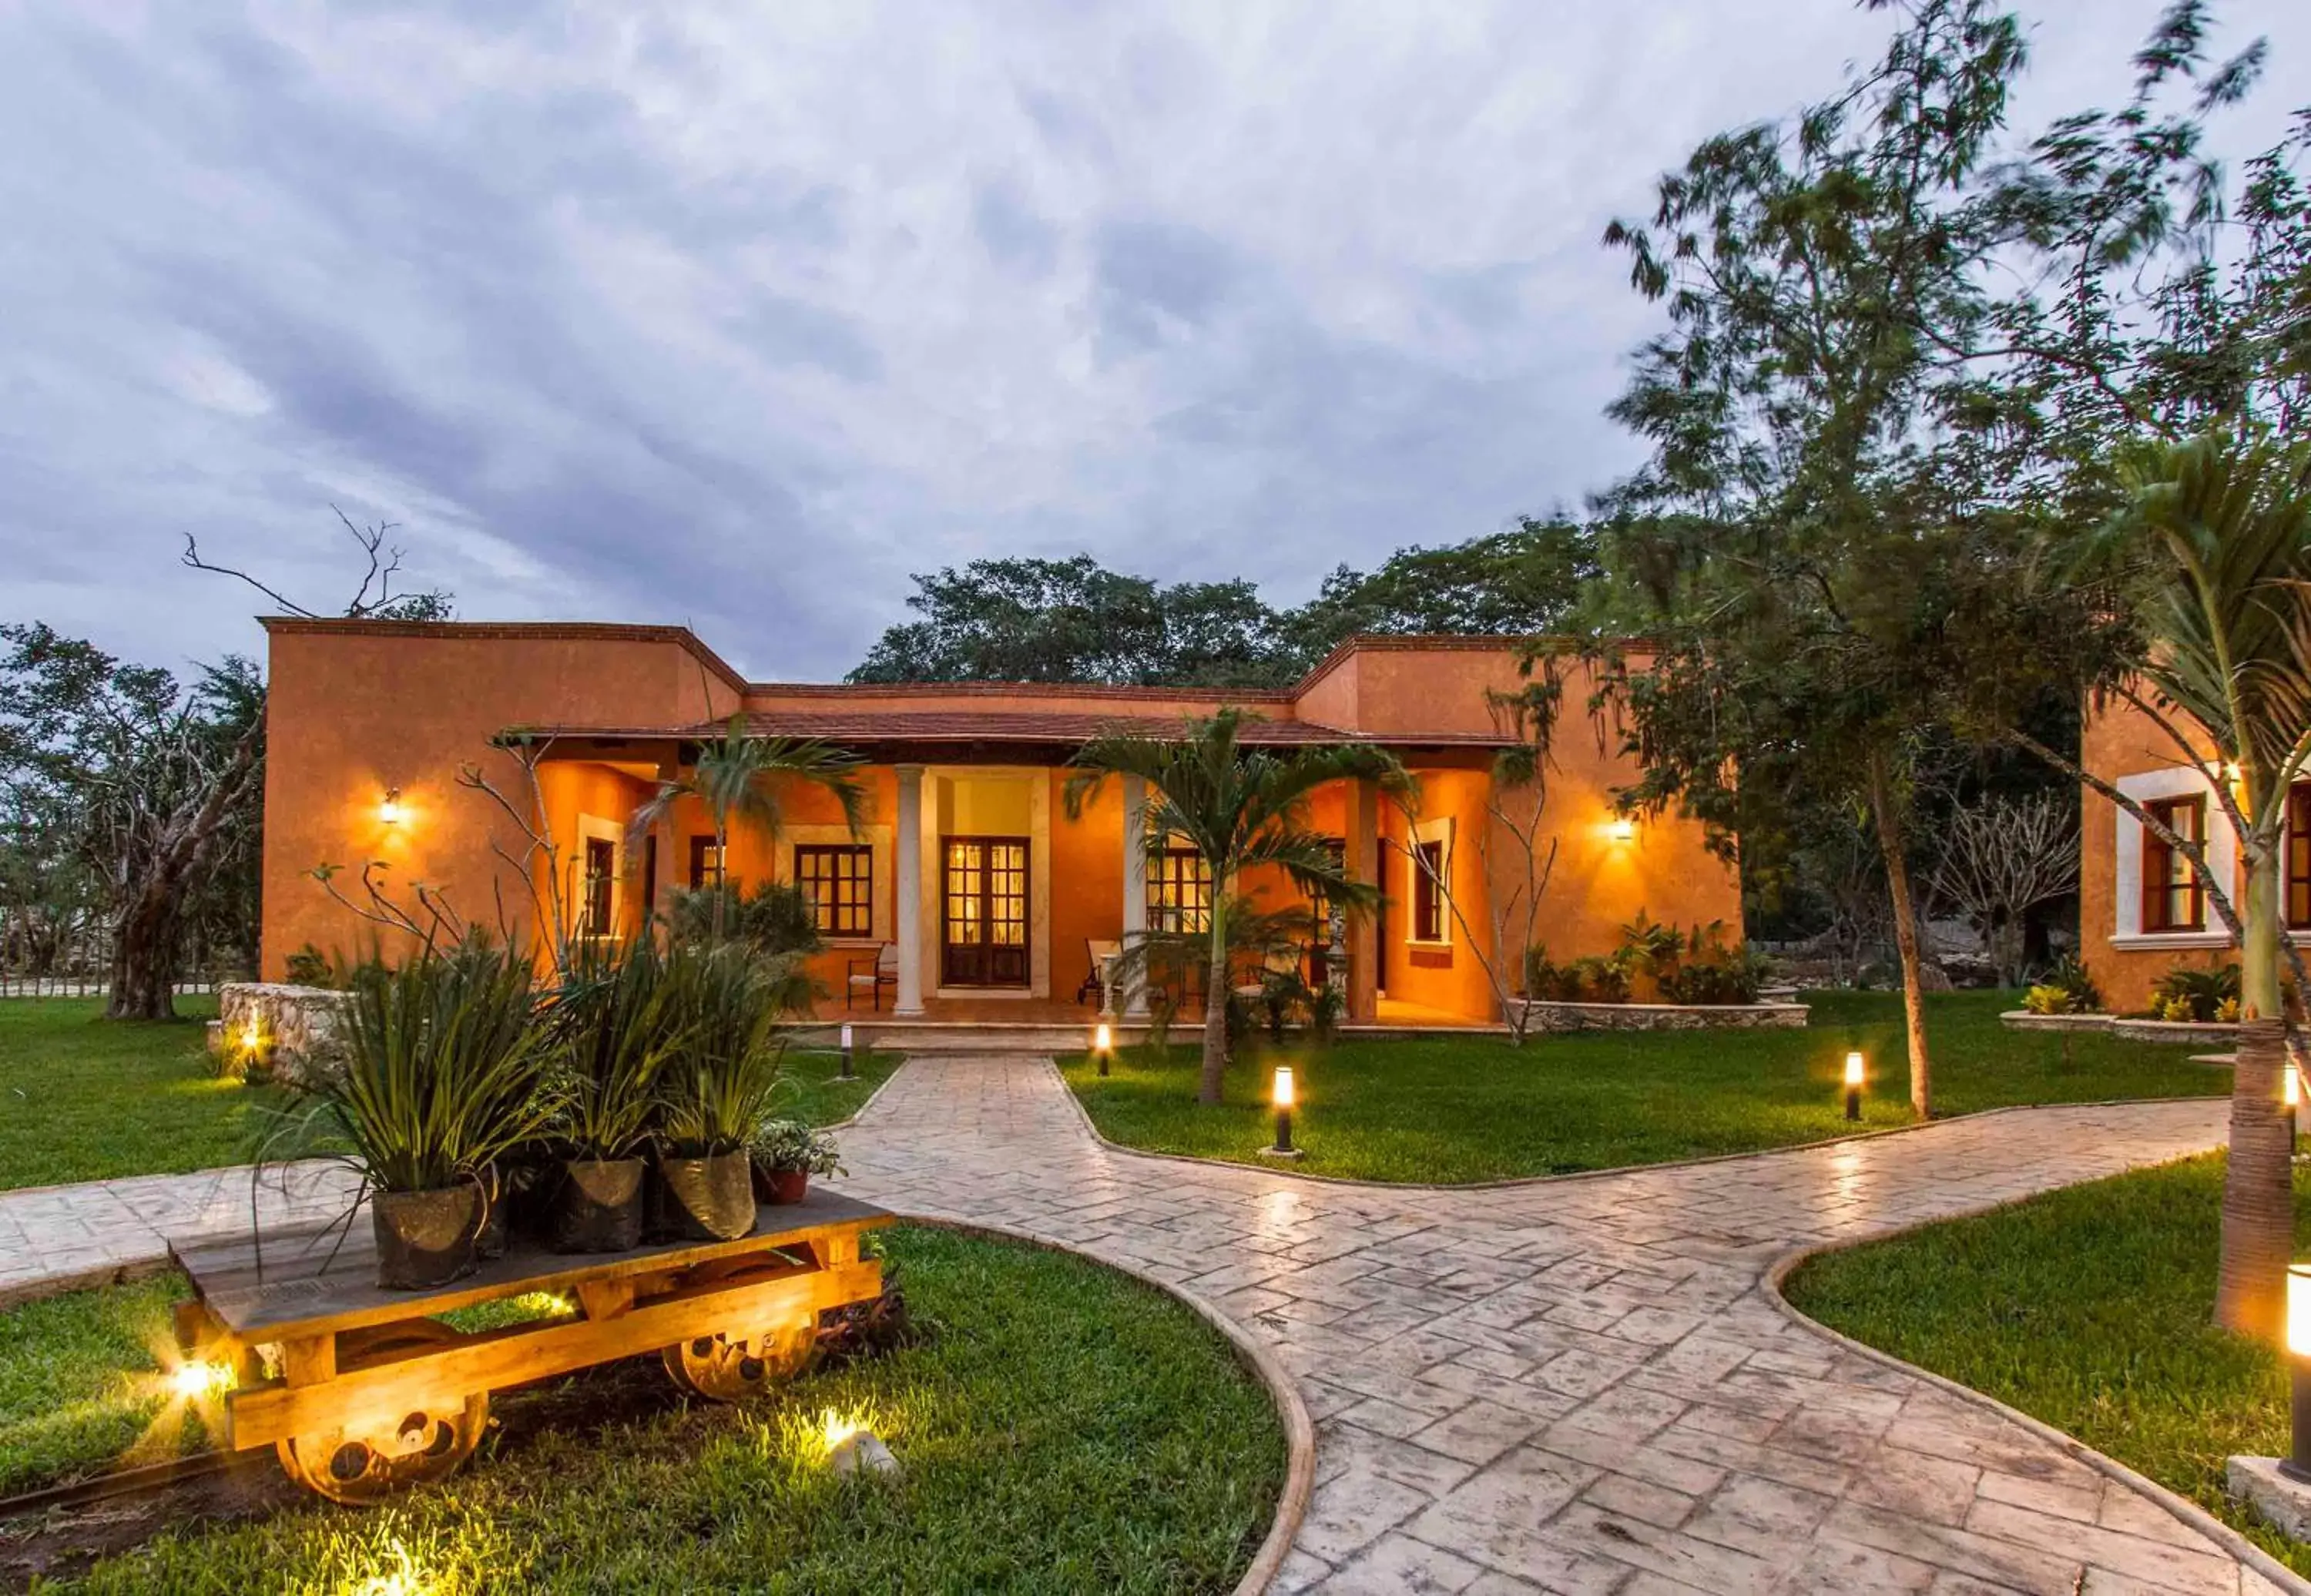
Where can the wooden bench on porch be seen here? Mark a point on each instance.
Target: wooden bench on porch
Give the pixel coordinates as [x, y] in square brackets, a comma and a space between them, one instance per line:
[361, 1391]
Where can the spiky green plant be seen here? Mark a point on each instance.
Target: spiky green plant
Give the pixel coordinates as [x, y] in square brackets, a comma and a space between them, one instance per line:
[720, 1083]
[615, 1025]
[445, 1060]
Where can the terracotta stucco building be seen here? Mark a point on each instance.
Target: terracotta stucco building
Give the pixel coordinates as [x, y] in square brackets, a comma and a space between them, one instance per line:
[969, 867]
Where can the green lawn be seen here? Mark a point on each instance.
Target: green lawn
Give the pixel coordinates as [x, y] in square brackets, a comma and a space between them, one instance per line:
[1473, 1109]
[2086, 1308]
[1064, 1429]
[82, 1098]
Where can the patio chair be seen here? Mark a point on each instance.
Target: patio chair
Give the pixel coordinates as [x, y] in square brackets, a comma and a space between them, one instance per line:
[872, 975]
[1095, 984]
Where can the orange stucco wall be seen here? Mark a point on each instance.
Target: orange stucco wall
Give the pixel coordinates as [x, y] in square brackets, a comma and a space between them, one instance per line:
[358, 708]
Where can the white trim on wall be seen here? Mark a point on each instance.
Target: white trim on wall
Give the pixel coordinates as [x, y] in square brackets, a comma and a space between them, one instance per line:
[2222, 859]
[593, 828]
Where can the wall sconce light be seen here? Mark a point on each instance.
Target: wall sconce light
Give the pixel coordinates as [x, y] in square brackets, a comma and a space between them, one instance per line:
[846, 1050]
[1854, 1078]
[1285, 1095]
[1103, 1044]
[392, 812]
[2291, 1092]
[1623, 829]
[2297, 1464]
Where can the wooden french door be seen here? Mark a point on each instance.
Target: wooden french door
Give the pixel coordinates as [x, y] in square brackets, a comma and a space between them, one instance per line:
[984, 912]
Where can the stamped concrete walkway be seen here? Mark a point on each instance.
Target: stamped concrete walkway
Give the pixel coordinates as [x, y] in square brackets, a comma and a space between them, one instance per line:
[1579, 1386]
[1583, 1386]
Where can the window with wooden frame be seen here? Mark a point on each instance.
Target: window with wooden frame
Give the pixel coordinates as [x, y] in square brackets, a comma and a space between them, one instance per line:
[1179, 891]
[2298, 857]
[705, 862]
[1428, 862]
[2173, 898]
[838, 878]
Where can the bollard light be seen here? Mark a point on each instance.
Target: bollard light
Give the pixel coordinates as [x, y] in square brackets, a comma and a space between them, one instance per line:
[1285, 1096]
[1102, 1043]
[1854, 1078]
[2297, 1464]
[846, 1050]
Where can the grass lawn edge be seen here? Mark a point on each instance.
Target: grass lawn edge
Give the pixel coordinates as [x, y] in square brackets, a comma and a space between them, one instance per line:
[2181, 1507]
[1299, 1427]
[1281, 1167]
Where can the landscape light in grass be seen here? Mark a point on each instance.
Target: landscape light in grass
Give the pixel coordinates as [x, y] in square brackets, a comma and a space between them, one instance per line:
[1286, 1095]
[1853, 1076]
[403, 1579]
[1102, 1043]
[194, 1379]
[2297, 1464]
[852, 1448]
[391, 811]
[846, 1050]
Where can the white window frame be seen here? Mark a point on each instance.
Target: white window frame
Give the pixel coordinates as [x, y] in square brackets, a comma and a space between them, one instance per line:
[2222, 859]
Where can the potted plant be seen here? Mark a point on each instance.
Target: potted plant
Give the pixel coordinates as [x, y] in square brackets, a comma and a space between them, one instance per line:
[444, 1061]
[716, 1090]
[614, 1028]
[786, 1154]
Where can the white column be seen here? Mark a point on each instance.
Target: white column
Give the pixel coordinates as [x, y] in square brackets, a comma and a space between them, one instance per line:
[910, 872]
[1135, 891]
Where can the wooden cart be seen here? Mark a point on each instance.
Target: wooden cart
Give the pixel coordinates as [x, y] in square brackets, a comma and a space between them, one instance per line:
[362, 1391]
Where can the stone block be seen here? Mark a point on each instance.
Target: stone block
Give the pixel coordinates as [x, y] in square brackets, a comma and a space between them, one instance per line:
[300, 1031]
[2283, 1503]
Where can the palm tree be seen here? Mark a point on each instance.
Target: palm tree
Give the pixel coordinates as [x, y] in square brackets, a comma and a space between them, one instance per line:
[1240, 808]
[737, 777]
[2215, 541]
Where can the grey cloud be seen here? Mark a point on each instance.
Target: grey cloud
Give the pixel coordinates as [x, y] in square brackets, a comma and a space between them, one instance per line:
[1011, 231]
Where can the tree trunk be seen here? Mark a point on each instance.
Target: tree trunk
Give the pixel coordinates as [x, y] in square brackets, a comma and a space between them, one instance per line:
[2258, 1235]
[1888, 824]
[1216, 1001]
[144, 961]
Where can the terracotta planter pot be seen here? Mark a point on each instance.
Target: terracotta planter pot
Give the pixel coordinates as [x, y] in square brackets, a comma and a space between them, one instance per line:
[787, 1185]
[597, 1206]
[709, 1198]
[426, 1238]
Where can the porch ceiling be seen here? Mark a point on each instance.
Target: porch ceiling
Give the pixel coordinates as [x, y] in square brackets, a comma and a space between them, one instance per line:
[946, 734]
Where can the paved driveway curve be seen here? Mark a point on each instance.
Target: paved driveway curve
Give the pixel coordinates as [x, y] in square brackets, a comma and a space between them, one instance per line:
[1583, 1386]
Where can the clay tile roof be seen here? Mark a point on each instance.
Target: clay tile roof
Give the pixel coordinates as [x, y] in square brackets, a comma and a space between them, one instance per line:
[1026, 726]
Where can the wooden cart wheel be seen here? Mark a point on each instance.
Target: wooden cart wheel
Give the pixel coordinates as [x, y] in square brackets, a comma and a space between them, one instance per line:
[730, 1368]
[427, 1445]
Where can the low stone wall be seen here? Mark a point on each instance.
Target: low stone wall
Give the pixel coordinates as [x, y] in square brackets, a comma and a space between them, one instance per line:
[2125, 1028]
[299, 1030]
[1663, 1017]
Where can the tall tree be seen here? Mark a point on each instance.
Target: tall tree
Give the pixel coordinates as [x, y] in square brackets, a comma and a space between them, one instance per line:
[1809, 525]
[1526, 581]
[1241, 808]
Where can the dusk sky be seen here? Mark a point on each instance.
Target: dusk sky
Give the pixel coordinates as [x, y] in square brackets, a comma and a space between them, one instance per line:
[736, 318]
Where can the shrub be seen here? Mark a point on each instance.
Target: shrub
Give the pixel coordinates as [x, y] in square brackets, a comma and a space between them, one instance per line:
[789, 1146]
[1598, 980]
[717, 1086]
[2185, 994]
[773, 918]
[309, 966]
[2070, 989]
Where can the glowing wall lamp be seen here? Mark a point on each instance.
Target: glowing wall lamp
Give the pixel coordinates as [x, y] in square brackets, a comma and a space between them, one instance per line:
[2291, 1074]
[1285, 1095]
[392, 811]
[1855, 1071]
[2297, 1464]
[1102, 1045]
[1623, 829]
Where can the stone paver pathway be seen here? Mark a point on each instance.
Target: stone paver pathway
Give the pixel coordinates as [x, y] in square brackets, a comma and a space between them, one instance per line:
[1579, 1387]
[1582, 1386]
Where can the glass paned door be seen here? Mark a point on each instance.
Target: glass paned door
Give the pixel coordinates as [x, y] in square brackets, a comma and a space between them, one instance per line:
[984, 891]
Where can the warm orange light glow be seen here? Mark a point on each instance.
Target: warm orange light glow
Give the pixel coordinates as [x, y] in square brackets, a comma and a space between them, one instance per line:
[1623, 829]
[252, 1037]
[2293, 1089]
[1853, 1070]
[1103, 1038]
[392, 812]
[2299, 1309]
[1285, 1090]
[835, 1428]
[195, 1380]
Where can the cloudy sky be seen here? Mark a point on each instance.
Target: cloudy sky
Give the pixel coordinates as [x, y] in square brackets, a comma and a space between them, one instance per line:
[738, 318]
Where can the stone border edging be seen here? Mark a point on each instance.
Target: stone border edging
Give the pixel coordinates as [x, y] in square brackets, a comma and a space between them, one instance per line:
[2181, 1507]
[1299, 1428]
[1512, 1181]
